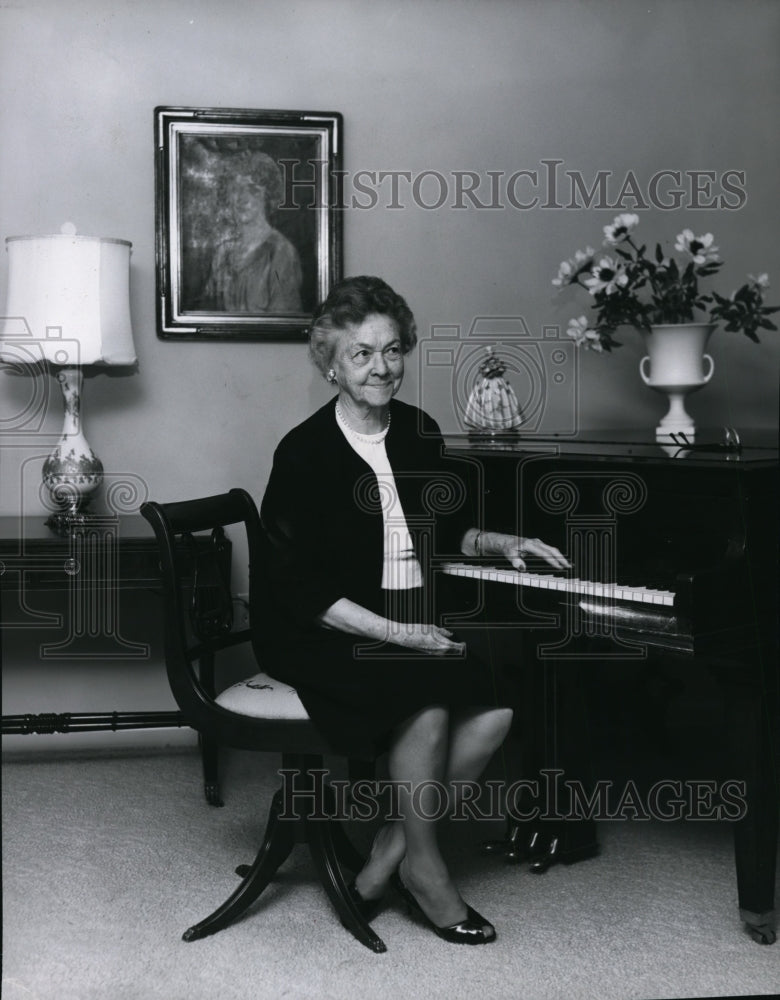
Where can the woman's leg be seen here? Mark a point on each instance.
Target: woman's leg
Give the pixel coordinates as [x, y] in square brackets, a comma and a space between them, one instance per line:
[418, 753]
[417, 763]
[474, 738]
[470, 741]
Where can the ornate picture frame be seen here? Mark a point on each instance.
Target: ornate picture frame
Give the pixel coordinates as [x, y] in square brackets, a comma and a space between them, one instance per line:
[248, 227]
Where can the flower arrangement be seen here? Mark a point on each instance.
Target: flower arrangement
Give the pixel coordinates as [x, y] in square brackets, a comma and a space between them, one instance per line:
[631, 289]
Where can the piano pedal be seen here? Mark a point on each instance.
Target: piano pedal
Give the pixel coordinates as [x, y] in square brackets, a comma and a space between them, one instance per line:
[544, 859]
[511, 848]
[555, 854]
[541, 853]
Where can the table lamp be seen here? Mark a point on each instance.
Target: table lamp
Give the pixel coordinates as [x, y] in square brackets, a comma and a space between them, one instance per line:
[68, 306]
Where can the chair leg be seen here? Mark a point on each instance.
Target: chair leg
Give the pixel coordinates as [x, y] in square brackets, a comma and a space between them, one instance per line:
[277, 844]
[347, 853]
[209, 753]
[208, 749]
[322, 838]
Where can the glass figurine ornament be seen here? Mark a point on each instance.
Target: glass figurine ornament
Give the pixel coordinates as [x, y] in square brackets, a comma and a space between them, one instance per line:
[492, 409]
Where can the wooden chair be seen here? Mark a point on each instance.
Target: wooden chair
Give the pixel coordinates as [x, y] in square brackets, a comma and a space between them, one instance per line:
[259, 713]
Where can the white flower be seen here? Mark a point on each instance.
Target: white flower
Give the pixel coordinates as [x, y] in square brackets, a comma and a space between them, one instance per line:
[607, 276]
[699, 247]
[568, 269]
[564, 274]
[620, 228]
[583, 335]
[593, 342]
[762, 280]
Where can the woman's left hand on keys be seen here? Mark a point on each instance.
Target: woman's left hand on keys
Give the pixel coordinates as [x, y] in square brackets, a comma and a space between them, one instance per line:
[515, 549]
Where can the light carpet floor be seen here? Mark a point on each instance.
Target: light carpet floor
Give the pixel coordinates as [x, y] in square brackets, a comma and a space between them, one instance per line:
[106, 861]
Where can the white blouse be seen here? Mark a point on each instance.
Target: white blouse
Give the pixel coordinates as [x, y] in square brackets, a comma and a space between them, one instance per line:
[401, 570]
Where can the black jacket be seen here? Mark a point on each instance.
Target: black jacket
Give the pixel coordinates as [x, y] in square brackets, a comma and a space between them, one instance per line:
[322, 517]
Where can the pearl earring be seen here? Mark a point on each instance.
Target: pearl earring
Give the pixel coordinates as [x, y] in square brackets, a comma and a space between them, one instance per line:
[331, 376]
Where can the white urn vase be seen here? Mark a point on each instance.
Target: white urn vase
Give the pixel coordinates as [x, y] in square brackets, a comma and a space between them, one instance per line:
[676, 364]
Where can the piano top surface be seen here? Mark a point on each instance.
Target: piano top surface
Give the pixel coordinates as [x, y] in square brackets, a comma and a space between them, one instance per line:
[759, 448]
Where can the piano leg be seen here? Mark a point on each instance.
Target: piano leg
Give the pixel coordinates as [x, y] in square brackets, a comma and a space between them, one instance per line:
[553, 727]
[752, 735]
[565, 743]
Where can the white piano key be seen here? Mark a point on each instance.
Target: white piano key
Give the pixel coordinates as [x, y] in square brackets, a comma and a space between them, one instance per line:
[573, 585]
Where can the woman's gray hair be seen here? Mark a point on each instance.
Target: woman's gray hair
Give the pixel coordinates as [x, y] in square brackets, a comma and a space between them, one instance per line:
[348, 304]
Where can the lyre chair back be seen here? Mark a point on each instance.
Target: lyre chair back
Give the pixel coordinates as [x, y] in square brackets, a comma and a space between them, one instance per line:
[201, 628]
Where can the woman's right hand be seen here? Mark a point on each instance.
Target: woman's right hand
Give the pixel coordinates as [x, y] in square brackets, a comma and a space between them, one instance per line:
[346, 616]
[425, 639]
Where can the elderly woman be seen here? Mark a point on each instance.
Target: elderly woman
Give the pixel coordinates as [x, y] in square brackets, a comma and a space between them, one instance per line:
[351, 621]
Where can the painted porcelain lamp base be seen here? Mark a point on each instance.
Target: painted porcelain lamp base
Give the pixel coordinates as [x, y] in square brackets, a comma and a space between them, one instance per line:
[72, 473]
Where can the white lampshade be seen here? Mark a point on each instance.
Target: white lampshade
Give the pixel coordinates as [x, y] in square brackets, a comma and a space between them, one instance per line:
[73, 292]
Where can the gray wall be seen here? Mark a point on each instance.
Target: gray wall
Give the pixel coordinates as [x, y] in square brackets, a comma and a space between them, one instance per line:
[604, 85]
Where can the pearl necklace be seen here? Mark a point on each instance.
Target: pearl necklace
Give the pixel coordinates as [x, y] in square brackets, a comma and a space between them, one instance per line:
[377, 438]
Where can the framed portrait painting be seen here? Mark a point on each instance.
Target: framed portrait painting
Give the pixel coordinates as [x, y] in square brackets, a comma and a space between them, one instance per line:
[247, 221]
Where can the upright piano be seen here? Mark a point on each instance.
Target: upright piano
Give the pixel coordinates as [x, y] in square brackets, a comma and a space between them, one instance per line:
[674, 554]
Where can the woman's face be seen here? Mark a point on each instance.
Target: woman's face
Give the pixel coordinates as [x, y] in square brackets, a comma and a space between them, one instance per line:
[369, 362]
[246, 201]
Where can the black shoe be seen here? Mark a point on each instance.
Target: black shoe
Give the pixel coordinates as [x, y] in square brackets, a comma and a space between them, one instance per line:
[368, 908]
[473, 930]
[477, 918]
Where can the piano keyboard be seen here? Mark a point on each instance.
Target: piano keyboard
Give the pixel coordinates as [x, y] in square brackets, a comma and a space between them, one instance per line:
[551, 581]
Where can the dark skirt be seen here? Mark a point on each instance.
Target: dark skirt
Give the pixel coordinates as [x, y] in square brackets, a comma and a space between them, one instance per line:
[358, 692]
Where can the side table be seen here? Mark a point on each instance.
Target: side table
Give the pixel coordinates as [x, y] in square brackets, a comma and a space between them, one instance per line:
[88, 568]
